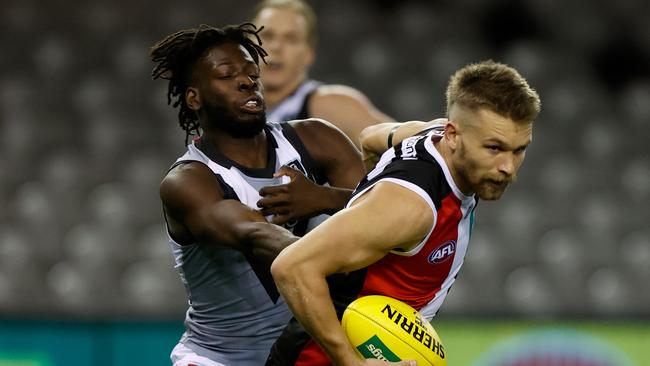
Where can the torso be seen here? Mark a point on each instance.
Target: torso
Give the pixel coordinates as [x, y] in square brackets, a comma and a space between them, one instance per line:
[421, 276]
[231, 318]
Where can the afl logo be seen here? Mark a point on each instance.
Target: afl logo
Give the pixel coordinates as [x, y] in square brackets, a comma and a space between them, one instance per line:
[443, 252]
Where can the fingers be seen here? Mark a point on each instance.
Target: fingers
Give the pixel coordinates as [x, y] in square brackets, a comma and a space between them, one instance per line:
[287, 170]
[277, 219]
[276, 210]
[274, 190]
[280, 219]
[281, 188]
[272, 200]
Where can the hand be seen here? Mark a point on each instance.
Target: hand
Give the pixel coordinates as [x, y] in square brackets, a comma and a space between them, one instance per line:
[297, 199]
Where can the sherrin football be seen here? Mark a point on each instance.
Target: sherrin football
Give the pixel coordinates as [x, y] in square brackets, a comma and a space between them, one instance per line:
[387, 329]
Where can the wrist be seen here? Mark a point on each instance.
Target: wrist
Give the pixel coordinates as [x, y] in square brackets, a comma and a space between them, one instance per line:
[342, 354]
[334, 199]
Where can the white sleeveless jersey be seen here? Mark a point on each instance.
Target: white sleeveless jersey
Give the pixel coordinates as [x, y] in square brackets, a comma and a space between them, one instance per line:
[295, 105]
[232, 316]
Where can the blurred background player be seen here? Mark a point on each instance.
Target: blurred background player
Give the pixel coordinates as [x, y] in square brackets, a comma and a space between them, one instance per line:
[289, 36]
[405, 232]
[222, 244]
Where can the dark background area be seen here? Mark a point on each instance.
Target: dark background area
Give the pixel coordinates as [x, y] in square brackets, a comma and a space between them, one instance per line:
[86, 137]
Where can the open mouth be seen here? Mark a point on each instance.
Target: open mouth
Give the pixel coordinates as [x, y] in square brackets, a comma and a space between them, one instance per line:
[253, 105]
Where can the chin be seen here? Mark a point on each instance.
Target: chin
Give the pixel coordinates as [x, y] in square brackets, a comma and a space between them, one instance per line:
[489, 194]
[247, 128]
[249, 118]
[489, 197]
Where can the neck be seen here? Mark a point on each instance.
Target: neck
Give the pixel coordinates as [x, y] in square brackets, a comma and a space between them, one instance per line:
[275, 96]
[249, 152]
[446, 153]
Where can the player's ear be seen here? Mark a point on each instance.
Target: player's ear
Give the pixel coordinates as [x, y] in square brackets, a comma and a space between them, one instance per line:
[452, 134]
[193, 98]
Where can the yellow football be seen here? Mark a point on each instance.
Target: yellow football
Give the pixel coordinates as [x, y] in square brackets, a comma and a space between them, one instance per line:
[387, 329]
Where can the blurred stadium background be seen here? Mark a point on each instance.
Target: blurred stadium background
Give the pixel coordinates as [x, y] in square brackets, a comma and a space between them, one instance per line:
[86, 277]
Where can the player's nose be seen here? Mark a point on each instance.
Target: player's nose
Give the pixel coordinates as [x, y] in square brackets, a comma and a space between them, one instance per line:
[507, 165]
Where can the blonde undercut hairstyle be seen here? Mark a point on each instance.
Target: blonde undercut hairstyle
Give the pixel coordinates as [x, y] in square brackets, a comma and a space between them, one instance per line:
[299, 6]
[495, 86]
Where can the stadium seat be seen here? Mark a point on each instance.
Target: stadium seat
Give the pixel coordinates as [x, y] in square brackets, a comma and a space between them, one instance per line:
[153, 288]
[529, 293]
[608, 290]
[86, 136]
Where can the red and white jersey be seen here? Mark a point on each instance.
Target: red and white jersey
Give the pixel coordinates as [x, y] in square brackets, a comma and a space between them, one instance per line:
[422, 276]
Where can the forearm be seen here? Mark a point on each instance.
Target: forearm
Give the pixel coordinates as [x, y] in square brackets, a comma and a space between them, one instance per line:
[374, 142]
[377, 139]
[307, 295]
[333, 199]
[266, 240]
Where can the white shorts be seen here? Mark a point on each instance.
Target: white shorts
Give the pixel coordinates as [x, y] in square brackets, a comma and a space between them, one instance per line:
[183, 356]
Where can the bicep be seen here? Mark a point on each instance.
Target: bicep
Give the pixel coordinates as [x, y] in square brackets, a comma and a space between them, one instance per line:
[386, 217]
[224, 222]
[332, 151]
[192, 197]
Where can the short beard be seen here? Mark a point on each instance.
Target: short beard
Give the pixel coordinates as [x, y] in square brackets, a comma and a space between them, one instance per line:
[223, 120]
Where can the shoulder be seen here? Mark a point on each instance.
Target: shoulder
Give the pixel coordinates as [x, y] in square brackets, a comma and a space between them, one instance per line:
[326, 96]
[418, 172]
[346, 107]
[326, 143]
[315, 130]
[187, 183]
[423, 172]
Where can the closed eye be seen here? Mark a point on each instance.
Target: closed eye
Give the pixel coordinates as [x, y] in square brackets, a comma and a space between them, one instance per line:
[520, 150]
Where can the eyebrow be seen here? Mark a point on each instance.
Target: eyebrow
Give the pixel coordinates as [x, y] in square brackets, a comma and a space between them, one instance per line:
[230, 63]
[502, 143]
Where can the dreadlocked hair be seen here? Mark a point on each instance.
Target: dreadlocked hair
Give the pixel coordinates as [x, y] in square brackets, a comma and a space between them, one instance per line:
[176, 55]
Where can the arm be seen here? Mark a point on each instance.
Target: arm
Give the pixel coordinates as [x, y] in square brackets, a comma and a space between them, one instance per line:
[196, 212]
[374, 139]
[352, 239]
[347, 108]
[334, 155]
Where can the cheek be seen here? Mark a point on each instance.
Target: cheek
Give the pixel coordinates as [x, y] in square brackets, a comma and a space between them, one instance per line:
[482, 168]
[520, 160]
[217, 96]
[297, 55]
[479, 161]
